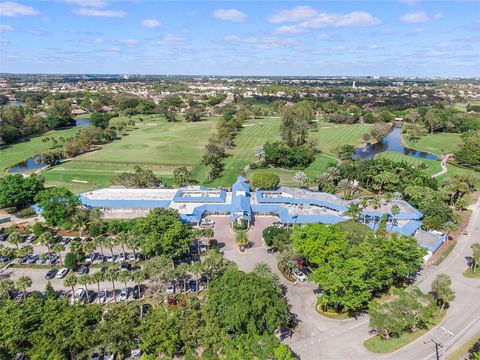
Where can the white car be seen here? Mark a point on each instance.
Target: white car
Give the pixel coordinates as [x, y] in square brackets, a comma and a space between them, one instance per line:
[62, 273]
[170, 288]
[102, 296]
[131, 257]
[124, 295]
[79, 296]
[299, 275]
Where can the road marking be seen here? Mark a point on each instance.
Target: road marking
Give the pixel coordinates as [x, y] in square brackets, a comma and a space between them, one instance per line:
[356, 325]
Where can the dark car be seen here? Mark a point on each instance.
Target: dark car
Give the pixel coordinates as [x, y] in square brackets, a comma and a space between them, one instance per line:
[146, 308]
[272, 250]
[3, 237]
[192, 285]
[83, 270]
[51, 274]
[137, 292]
[125, 266]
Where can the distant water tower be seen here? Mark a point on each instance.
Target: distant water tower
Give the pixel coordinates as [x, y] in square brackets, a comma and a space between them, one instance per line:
[353, 85]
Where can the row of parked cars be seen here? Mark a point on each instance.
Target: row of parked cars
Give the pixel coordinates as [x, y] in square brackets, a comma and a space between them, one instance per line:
[97, 258]
[45, 259]
[81, 295]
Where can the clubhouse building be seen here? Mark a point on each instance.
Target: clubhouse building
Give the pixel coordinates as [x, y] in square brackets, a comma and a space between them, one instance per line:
[290, 205]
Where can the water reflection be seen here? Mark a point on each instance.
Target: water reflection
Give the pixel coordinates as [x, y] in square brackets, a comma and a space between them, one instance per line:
[392, 142]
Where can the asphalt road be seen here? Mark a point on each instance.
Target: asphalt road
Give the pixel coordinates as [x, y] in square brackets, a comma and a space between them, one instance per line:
[321, 338]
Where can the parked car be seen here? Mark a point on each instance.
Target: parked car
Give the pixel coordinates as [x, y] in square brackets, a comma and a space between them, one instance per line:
[64, 241]
[30, 239]
[192, 285]
[124, 294]
[136, 352]
[145, 309]
[5, 258]
[89, 258]
[103, 269]
[299, 275]
[3, 237]
[83, 270]
[131, 257]
[122, 257]
[203, 247]
[96, 356]
[109, 259]
[80, 295]
[170, 288]
[137, 292]
[62, 273]
[125, 266]
[51, 258]
[465, 232]
[31, 259]
[102, 296]
[272, 250]
[22, 260]
[207, 223]
[51, 274]
[278, 225]
[99, 259]
[40, 261]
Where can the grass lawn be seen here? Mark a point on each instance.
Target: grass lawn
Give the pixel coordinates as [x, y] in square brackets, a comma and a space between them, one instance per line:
[16, 153]
[433, 166]
[438, 144]
[447, 252]
[157, 144]
[330, 136]
[286, 175]
[469, 273]
[254, 133]
[377, 345]
[461, 352]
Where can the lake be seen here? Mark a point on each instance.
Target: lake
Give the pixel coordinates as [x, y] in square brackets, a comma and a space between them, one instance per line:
[391, 142]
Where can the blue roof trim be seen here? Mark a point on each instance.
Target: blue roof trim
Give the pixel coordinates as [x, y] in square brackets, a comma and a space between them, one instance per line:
[408, 229]
[434, 247]
[286, 218]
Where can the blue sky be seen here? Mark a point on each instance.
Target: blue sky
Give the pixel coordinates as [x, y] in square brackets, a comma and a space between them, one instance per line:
[397, 38]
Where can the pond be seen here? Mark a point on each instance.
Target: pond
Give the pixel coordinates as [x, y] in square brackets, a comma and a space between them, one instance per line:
[31, 164]
[391, 142]
[82, 122]
[27, 165]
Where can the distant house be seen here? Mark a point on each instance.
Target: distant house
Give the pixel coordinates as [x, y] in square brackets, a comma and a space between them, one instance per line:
[105, 108]
[78, 112]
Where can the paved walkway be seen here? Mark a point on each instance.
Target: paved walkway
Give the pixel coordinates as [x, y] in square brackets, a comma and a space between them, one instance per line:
[444, 166]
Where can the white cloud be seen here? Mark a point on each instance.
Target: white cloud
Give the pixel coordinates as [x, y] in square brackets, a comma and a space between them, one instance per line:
[169, 39]
[35, 31]
[324, 37]
[418, 30]
[299, 13]
[97, 41]
[114, 49]
[100, 13]
[151, 23]
[130, 43]
[88, 3]
[229, 15]
[11, 9]
[311, 18]
[288, 30]
[270, 42]
[414, 18]
[4, 27]
[438, 15]
[373, 47]
[386, 31]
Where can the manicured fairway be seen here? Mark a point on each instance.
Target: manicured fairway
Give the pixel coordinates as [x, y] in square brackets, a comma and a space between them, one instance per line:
[437, 143]
[254, 133]
[158, 142]
[330, 136]
[286, 175]
[16, 153]
[433, 166]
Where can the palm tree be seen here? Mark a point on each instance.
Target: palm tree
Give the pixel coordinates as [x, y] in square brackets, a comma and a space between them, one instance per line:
[196, 269]
[122, 239]
[241, 238]
[475, 255]
[112, 275]
[138, 277]
[58, 248]
[81, 219]
[395, 210]
[98, 277]
[46, 239]
[23, 283]
[85, 280]
[353, 210]
[262, 269]
[24, 251]
[6, 287]
[124, 276]
[133, 242]
[70, 281]
[182, 273]
[100, 241]
[15, 238]
[286, 261]
[332, 173]
[110, 242]
[345, 186]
